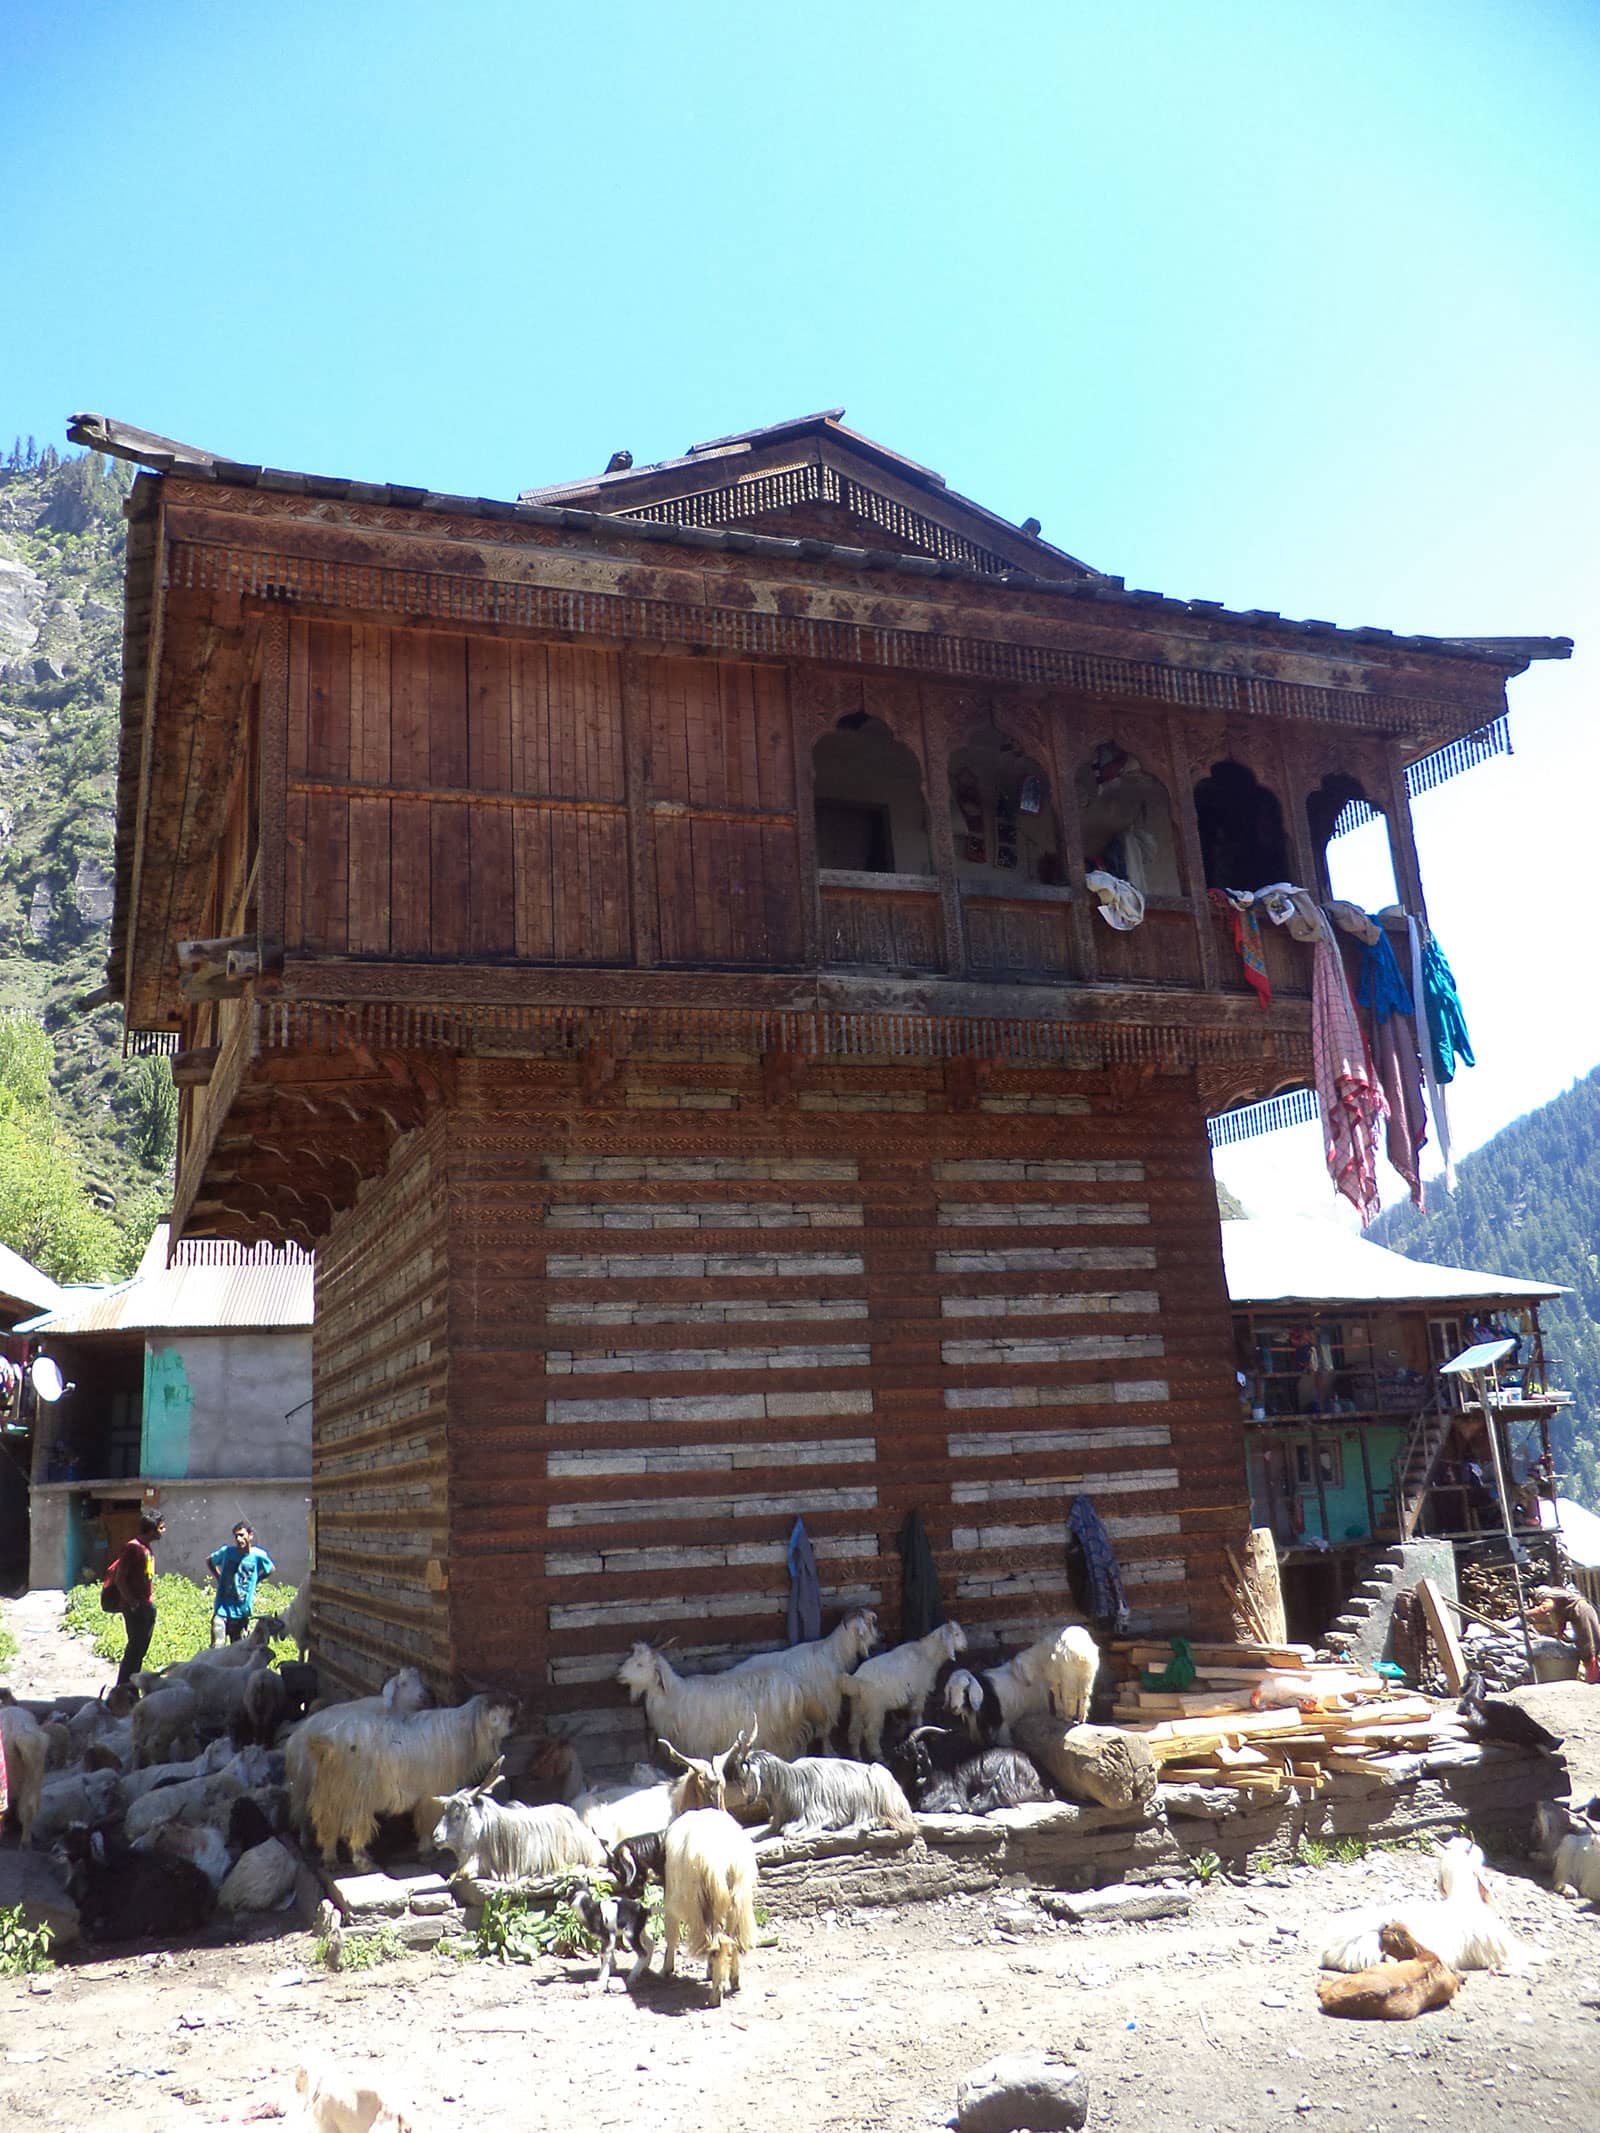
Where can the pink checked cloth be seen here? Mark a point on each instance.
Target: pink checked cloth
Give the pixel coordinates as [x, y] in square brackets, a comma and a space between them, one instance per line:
[1353, 1105]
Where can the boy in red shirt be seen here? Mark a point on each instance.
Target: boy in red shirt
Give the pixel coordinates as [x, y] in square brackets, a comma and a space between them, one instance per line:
[132, 1578]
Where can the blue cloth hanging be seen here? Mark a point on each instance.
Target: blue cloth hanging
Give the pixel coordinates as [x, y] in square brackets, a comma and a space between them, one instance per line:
[805, 1590]
[1447, 1025]
[1092, 1566]
[1380, 982]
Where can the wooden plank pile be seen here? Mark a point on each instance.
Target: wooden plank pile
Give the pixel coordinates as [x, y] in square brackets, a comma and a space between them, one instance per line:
[1270, 1719]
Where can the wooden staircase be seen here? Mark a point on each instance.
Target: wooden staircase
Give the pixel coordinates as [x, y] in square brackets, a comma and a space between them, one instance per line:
[1414, 1469]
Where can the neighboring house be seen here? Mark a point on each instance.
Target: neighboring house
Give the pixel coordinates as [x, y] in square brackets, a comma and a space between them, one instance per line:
[1351, 1434]
[23, 1292]
[188, 1389]
[647, 936]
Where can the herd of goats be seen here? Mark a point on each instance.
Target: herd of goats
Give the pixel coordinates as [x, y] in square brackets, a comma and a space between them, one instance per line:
[184, 1793]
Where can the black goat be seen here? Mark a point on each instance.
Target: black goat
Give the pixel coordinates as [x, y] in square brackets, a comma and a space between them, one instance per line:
[615, 1921]
[942, 1775]
[638, 1860]
[248, 1824]
[124, 1894]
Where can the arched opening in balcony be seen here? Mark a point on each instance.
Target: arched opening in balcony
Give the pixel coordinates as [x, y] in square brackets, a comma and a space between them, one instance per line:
[1355, 860]
[1001, 817]
[1242, 841]
[1126, 819]
[871, 815]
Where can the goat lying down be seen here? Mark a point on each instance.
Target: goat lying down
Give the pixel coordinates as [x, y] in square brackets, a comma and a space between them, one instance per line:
[1409, 1981]
[1570, 1844]
[511, 1844]
[1460, 1926]
[820, 1793]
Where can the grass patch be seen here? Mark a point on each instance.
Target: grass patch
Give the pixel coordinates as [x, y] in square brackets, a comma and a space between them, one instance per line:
[24, 1949]
[1347, 1850]
[8, 1650]
[1313, 1852]
[360, 1951]
[1205, 1867]
[183, 1619]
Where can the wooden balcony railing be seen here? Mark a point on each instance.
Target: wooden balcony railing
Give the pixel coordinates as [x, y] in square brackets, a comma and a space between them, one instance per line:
[881, 922]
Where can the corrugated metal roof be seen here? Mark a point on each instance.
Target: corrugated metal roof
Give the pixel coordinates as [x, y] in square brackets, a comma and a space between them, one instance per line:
[1295, 1259]
[24, 1281]
[211, 1285]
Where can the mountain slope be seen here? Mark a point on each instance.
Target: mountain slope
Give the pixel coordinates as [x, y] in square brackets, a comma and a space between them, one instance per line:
[1528, 1203]
[61, 557]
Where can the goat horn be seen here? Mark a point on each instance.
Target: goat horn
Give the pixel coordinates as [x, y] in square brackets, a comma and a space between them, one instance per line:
[667, 1748]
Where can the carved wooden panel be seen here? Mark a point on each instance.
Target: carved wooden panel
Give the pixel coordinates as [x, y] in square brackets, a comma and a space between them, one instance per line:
[1161, 951]
[1016, 940]
[865, 929]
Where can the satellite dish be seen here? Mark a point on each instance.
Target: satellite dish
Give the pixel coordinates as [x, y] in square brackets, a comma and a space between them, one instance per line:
[48, 1382]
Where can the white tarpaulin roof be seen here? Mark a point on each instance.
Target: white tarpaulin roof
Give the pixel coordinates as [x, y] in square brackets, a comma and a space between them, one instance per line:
[1580, 1529]
[1296, 1259]
[26, 1283]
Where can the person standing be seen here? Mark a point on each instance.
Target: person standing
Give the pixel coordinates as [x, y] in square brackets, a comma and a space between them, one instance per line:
[237, 1570]
[131, 1582]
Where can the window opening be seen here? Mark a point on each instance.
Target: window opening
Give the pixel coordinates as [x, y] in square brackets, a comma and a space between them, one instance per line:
[1242, 841]
[1355, 861]
[1001, 817]
[1127, 821]
[870, 812]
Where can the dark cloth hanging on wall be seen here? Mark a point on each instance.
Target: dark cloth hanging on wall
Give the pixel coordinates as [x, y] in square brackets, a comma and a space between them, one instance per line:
[805, 1590]
[1092, 1571]
[921, 1602]
[1400, 1077]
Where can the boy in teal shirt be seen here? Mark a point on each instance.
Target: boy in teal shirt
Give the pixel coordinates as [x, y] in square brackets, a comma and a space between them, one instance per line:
[237, 1570]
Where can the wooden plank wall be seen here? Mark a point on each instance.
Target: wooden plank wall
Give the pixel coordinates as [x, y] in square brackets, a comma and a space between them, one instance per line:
[379, 1450]
[463, 798]
[681, 1318]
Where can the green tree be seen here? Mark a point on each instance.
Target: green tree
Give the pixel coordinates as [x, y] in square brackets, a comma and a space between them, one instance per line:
[45, 1214]
[155, 1125]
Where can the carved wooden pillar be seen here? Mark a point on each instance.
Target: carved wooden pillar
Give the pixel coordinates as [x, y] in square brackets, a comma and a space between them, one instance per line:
[1402, 844]
[1302, 854]
[1070, 743]
[807, 719]
[1180, 783]
[273, 821]
[641, 830]
[936, 744]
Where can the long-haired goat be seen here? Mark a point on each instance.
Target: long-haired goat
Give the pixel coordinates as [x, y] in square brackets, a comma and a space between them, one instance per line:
[1459, 1926]
[511, 1844]
[938, 1770]
[703, 1712]
[899, 1680]
[710, 1874]
[400, 1695]
[618, 1812]
[1056, 1672]
[369, 1764]
[1570, 1845]
[26, 1754]
[820, 1793]
[820, 1666]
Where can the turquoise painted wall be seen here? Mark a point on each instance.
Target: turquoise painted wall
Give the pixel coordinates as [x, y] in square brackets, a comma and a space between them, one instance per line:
[168, 1405]
[1347, 1503]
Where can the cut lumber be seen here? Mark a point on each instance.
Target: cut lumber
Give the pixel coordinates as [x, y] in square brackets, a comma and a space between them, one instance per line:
[1254, 1591]
[1443, 1632]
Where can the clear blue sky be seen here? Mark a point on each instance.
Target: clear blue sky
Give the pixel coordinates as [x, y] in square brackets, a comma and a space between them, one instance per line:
[1291, 306]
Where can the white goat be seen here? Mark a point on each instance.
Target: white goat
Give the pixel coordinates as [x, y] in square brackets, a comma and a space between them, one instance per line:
[165, 1726]
[820, 1666]
[704, 1712]
[617, 1812]
[1570, 1843]
[818, 1793]
[400, 1695]
[511, 1844]
[901, 1680]
[26, 1754]
[1459, 1926]
[359, 1765]
[1055, 1672]
[297, 1619]
[1068, 1668]
[710, 1874]
[252, 1650]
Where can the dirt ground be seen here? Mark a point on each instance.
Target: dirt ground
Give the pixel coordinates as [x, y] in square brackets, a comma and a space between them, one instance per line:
[854, 2020]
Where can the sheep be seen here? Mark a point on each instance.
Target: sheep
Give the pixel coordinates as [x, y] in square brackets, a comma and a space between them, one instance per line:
[709, 1869]
[220, 1691]
[151, 1779]
[252, 1650]
[107, 1718]
[363, 1764]
[263, 1880]
[196, 1800]
[821, 1793]
[511, 1844]
[57, 1743]
[26, 1753]
[249, 1825]
[75, 1796]
[703, 1712]
[1570, 1845]
[266, 1704]
[123, 1894]
[820, 1666]
[1459, 1927]
[166, 1725]
[202, 1844]
[896, 1681]
[297, 1619]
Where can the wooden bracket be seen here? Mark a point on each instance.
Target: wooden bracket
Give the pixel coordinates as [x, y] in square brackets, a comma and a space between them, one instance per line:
[193, 1069]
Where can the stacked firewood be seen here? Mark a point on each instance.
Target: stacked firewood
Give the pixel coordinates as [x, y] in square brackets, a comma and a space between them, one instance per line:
[1270, 1719]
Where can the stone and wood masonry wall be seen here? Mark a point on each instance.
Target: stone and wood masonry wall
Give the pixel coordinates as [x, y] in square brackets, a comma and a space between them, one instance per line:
[686, 1310]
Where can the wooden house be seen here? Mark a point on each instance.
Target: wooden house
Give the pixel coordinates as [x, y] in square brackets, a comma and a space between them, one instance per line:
[639, 934]
[1351, 1435]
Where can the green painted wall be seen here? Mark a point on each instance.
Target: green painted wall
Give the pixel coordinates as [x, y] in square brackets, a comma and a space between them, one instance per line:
[168, 1405]
[1347, 1503]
